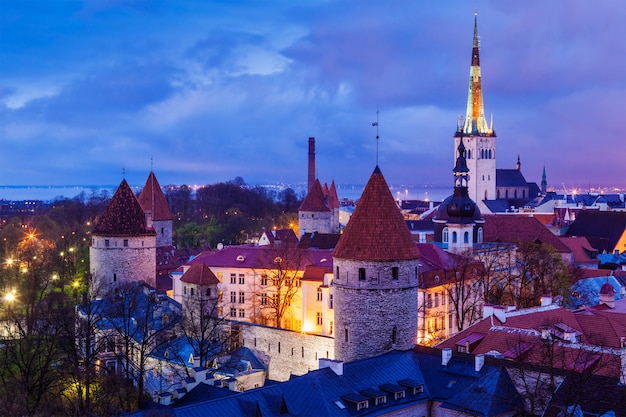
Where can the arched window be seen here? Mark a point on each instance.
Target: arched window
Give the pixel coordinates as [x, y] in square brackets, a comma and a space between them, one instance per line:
[480, 235]
[454, 237]
[444, 235]
[466, 237]
[469, 154]
[490, 154]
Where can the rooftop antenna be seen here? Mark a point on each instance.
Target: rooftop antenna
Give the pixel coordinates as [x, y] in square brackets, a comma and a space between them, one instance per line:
[377, 137]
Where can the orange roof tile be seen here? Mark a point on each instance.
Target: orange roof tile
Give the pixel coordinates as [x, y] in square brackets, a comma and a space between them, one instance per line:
[515, 228]
[314, 200]
[376, 231]
[152, 199]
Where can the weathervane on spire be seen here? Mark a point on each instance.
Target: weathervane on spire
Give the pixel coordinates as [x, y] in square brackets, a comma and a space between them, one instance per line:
[151, 165]
[123, 173]
[377, 137]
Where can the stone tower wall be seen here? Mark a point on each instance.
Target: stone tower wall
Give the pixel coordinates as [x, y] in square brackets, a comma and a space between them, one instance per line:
[314, 221]
[369, 310]
[163, 230]
[116, 263]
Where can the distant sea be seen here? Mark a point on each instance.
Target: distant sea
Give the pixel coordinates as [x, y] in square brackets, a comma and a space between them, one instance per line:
[348, 191]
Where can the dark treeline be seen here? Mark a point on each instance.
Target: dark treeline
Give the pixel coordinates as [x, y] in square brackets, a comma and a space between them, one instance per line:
[229, 212]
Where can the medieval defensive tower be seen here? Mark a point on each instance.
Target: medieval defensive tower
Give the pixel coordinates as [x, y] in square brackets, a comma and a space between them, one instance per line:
[376, 278]
[123, 244]
[154, 204]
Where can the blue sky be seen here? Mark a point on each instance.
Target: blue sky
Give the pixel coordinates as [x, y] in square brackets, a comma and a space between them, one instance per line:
[211, 90]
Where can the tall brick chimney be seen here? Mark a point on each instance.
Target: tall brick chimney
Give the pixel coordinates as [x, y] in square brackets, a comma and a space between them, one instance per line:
[311, 179]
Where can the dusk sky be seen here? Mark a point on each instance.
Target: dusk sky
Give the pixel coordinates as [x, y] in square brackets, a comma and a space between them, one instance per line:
[211, 90]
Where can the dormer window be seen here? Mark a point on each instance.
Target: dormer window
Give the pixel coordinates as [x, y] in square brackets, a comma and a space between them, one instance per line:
[241, 258]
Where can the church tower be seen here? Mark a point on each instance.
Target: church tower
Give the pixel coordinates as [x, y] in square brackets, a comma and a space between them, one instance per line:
[123, 244]
[157, 210]
[458, 222]
[376, 276]
[479, 137]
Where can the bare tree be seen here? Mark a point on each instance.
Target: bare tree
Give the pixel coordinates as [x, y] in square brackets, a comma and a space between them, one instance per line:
[281, 265]
[140, 324]
[465, 290]
[542, 360]
[204, 324]
[31, 318]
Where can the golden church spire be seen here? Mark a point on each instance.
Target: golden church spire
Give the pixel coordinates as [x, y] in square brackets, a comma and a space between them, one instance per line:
[475, 122]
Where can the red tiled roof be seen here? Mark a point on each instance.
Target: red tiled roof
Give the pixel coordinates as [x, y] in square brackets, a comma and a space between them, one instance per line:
[314, 200]
[260, 257]
[199, 274]
[517, 228]
[580, 247]
[376, 231]
[333, 197]
[152, 199]
[123, 216]
[597, 327]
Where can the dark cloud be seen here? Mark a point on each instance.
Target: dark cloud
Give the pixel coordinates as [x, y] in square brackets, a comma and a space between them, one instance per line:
[213, 90]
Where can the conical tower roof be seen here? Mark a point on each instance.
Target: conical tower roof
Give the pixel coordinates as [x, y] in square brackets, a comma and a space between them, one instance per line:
[376, 231]
[152, 199]
[200, 274]
[123, 216]
[314, 200]
[333, 198]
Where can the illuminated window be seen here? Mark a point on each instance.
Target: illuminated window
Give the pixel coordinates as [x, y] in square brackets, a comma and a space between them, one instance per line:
[233, 278]
[319, 319]
[242, 279]
[320, 295]
[233, 296]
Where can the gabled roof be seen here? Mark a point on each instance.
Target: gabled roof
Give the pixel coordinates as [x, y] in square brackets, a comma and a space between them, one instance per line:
[322, 392]
[608, 224]
[199, 274]
[261, 257]
[597, 329]
[581, 248]
[518, 228]
[314, 200]
[152, 199]
[376, 231]
[510, 178]
[123, 216]
[319, 240]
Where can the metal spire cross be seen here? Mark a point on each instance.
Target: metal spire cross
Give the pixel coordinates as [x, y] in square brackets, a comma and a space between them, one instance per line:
[377, 137]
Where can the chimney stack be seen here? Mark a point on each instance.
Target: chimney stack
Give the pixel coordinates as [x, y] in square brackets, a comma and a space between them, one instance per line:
[311, 178]
[446, 355]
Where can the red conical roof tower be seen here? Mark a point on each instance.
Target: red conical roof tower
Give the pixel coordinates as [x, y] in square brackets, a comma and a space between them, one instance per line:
[376, 231]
